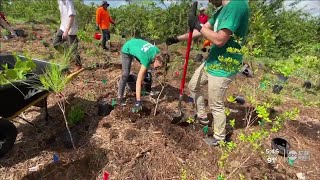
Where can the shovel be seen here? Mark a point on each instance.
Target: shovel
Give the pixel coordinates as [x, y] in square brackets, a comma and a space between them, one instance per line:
[179, 115]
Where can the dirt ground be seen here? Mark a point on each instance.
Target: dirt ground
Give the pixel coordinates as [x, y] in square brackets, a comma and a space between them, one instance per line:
[130, 146]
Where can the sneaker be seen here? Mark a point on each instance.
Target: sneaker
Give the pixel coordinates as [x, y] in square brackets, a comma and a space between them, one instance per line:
[203, 121]
[211, 141]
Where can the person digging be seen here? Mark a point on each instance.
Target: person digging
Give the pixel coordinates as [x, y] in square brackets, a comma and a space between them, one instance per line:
[230, 20]
[146, 54]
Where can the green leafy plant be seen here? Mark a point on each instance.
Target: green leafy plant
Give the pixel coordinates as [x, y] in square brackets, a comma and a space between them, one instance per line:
[183, 175]
[18, 72]
[232, 123]
[231, 99]
[75, 115]
[83, 36]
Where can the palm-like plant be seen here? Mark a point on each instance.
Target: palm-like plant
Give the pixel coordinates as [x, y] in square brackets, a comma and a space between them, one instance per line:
[55, 80]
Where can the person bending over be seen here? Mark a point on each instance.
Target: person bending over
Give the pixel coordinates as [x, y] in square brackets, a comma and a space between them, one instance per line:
[146, 54]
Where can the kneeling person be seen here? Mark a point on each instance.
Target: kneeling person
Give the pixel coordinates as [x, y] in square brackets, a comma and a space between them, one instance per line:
[146, 54]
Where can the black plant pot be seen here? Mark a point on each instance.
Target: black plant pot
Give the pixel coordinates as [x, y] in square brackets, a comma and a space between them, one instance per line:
[104, 108]
[147, 82]
[282, 145]
[282, 78]
[307, 84]
[131, 82]
[240, 100]
[20, 32]
[247, 72]
[198, 58]
[277, 89]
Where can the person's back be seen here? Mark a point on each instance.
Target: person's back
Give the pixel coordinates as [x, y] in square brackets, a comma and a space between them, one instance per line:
[142, 50]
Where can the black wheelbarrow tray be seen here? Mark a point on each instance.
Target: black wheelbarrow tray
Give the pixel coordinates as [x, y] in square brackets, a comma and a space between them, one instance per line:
[17, 96]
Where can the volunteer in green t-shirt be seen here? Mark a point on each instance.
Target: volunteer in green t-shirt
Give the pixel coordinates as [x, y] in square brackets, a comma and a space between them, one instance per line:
[227, 25]
[146, 54]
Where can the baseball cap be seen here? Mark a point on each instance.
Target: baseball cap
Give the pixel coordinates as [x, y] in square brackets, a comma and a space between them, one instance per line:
[202, 8]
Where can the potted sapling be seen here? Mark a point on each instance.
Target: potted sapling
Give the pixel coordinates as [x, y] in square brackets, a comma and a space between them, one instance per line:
[284, 71]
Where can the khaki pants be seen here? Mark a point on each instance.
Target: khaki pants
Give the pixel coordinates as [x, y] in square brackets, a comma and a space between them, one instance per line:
[217, 87]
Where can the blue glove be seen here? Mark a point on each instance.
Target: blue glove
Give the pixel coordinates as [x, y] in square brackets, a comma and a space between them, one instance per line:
[137, 107]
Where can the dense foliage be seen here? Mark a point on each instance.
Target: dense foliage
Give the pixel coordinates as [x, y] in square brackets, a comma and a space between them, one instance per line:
[279, 32]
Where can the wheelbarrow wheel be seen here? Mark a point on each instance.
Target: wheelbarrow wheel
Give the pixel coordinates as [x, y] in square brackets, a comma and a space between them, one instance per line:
[8, 135]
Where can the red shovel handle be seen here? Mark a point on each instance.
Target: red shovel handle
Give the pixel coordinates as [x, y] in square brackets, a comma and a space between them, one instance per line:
[185, 67]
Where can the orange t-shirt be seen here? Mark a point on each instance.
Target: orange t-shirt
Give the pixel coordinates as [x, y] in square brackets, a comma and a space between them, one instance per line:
[103, 18]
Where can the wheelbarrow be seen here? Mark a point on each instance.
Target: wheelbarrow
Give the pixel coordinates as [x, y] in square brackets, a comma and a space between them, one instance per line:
[17, 96]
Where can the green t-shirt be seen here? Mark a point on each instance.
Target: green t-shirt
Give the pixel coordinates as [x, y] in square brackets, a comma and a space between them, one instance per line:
[142, 50]
[235, 17]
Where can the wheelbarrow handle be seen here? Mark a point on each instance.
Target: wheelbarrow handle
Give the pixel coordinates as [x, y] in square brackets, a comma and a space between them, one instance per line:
[71, 76]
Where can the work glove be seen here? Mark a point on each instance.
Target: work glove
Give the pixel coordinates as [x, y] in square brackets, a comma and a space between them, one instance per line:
[137, 107]
[171, 40]
[194, 23]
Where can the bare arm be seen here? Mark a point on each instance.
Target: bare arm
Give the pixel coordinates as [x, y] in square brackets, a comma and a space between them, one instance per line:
[219, 38]
[195, 33]
[71, 20]
[140, 78]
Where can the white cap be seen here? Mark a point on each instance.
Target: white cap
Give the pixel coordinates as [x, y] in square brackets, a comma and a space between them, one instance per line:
[202, 8]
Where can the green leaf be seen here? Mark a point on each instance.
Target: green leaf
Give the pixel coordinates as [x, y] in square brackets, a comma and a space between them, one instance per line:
[232, 123]
[3, 80]
[231, 99]
[190, 120]
[11, 74]
[227, 111]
